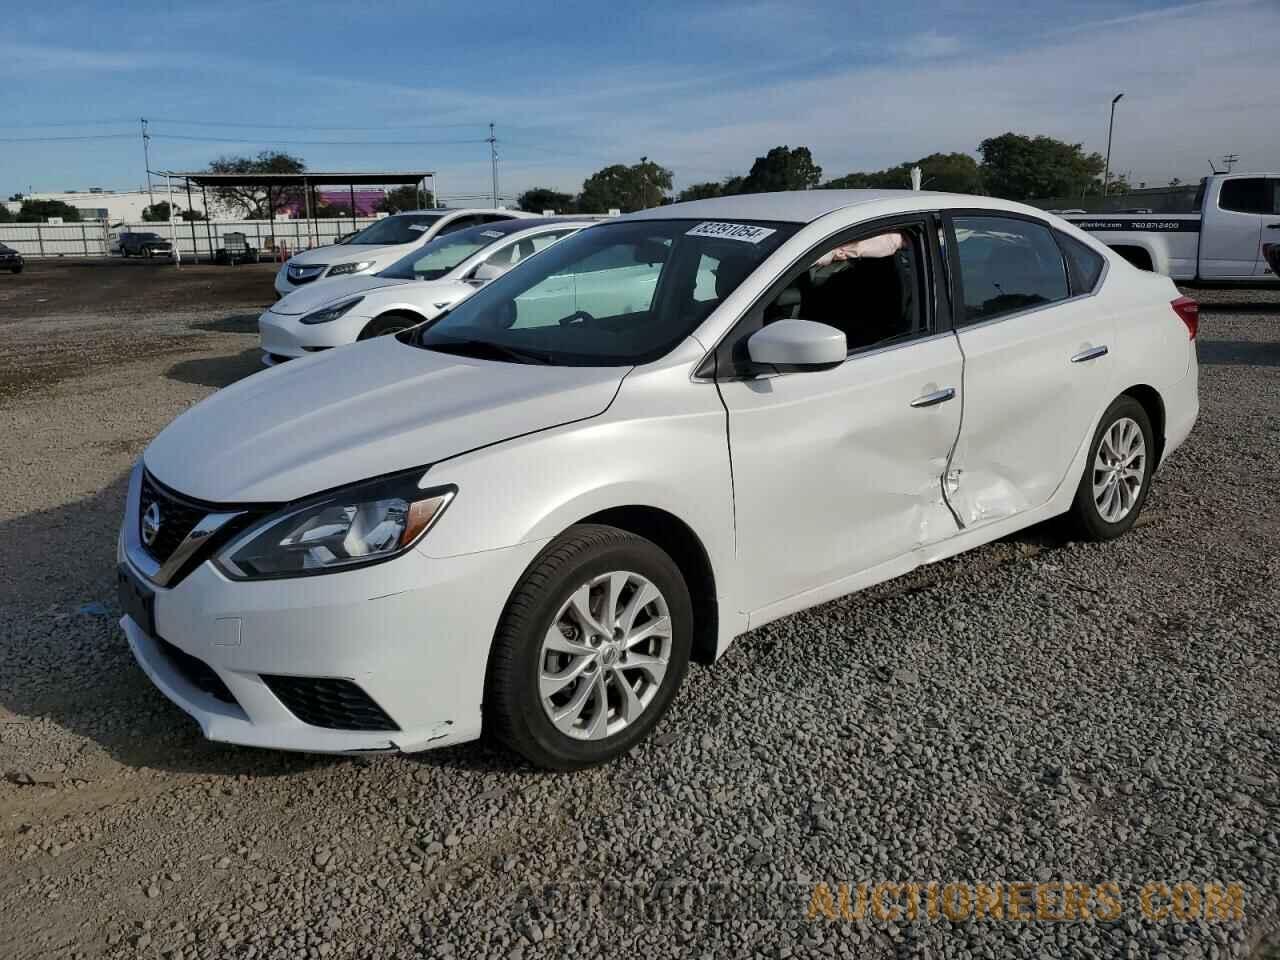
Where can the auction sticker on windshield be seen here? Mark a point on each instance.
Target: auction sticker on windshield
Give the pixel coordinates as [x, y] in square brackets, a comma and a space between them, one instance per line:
[491, 234]
[746, 232]
[420, 227]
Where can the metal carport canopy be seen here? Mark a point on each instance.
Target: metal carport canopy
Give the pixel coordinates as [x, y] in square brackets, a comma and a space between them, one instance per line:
[206, 179]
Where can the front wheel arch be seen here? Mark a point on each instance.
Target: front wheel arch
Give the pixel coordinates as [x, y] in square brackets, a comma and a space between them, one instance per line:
[380, 324]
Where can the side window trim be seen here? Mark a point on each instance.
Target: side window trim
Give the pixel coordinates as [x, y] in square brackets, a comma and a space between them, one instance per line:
[953, 260]
[1071, 273]
[719, 364]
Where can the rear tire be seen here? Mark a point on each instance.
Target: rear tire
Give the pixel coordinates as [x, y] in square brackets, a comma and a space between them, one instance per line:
[388, 324]
[590, 651]
[1117, 473]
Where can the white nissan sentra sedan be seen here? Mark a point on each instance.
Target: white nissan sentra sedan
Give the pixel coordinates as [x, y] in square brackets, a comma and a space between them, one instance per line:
[452, 265]
[527, 516]
[379, 245]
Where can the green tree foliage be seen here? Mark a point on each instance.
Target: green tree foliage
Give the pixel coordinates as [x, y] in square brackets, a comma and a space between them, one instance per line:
[258, 202]
[38, 211]
[6, 215]
[408, 197]
[782, 168]
[701, 191]
[625, 188]
[1018, 167]
[156, 213]
[946, 172]
[538, 199]
[189, 215]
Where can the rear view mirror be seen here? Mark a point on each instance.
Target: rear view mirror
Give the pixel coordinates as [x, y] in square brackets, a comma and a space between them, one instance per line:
[488, 271]
[651, 252]
[797, 343]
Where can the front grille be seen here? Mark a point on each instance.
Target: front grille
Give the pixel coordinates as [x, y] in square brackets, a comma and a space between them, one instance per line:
[330, 703]
[177, 519]
[196, 672]
[313, 272]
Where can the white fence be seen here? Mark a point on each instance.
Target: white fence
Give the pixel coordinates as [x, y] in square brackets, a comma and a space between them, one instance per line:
[199, 238]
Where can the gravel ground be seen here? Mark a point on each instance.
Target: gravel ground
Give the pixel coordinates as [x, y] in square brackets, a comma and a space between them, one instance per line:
[1032, 711]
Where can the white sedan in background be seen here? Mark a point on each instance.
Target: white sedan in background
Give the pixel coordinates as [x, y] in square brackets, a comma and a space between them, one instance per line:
[527, 516]
[417, 287]
[379, 245]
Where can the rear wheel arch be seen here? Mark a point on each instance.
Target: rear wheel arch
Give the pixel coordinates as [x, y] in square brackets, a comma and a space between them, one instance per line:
[1140, 257]
[678, 540]
[1153, 404]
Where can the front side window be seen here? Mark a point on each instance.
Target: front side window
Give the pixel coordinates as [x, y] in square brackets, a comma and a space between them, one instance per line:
[1246, 195]
[406, 228]
[513, 253]
[615, 294]
[872, 289]
[1007, 265]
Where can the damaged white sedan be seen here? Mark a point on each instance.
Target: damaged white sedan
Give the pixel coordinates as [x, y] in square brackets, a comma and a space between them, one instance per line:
[528, 515]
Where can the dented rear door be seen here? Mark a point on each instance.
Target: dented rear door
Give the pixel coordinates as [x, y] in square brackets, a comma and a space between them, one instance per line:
[1035, 380]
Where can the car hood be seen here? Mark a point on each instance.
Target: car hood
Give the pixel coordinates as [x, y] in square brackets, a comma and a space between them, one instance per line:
[343, 252]
[361, 411]
[323, 292]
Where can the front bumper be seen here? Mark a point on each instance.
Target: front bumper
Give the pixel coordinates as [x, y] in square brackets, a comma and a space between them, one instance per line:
[285, 335]
[413, 634]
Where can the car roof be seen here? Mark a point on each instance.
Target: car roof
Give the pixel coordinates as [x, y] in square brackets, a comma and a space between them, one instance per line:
[449, 211]
[793, 206]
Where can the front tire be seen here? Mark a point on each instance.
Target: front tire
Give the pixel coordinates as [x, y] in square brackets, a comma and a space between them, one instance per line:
[590, 651]
[1117, 474]
[387, 325]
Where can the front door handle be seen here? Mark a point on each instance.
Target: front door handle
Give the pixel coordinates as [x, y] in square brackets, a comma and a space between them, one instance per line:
[1093, 353]
[935, 398]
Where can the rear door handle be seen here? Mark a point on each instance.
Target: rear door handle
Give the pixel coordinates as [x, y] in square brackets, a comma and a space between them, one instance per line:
[935, 398]
[1273, 226]
[1093, 353]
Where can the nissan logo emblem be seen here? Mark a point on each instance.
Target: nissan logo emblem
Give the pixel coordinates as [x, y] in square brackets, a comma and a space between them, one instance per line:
[151, 524]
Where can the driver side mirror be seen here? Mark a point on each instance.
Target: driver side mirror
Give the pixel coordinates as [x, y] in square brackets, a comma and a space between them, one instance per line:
[797, 344]
[488, 271]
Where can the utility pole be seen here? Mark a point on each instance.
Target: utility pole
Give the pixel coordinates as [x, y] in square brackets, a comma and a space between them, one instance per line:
[493, 162]
[1106, 172]
[146, 156]
[644, 181]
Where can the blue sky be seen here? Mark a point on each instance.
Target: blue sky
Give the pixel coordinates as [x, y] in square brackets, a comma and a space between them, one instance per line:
[572, 86]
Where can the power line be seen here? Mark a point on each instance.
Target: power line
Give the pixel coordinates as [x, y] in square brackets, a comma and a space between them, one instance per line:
[317, 143]
[303, 126]
[99, 136]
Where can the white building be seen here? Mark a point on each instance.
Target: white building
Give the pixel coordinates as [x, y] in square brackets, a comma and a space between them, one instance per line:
[116, 206]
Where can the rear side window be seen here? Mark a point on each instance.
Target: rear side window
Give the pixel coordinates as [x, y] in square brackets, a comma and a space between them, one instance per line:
[1083, 265]
[1007, 265]
[1247, 195]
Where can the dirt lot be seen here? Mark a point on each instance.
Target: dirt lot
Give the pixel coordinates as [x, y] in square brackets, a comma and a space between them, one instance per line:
[1036, 710]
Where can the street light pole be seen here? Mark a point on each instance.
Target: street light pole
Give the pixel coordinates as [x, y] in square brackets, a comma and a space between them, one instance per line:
[1106, 172]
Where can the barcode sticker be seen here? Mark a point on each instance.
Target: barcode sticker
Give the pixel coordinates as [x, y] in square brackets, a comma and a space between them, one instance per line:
[746, 232]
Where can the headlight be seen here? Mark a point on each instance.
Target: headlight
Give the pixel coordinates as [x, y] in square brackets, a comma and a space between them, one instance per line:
[325, 314]
[362, 524]
[339, 269]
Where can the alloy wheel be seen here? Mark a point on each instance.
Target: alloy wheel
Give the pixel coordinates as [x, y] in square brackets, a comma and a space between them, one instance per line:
[604, 657]
[1119, 470]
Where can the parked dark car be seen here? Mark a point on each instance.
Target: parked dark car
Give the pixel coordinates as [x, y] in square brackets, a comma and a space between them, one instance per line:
[10, 259]
[144, 245]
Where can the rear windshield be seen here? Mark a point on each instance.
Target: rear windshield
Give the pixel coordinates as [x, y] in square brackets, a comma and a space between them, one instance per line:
[614, 294]
[405, 228]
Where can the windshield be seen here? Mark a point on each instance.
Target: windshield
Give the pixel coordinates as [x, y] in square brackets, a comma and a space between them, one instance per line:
[433, 261]
[612, 295]
[402, 229]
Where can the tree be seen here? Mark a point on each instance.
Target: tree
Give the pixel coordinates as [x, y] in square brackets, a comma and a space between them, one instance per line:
[782, 168]
[537, 199]
[329, 211]
[1018, 167]
[259, 202]
[408, 197]
[701, 191]
[157, 212]
[38, 211]
[189, 215]
[6, 215]
[625, 188]
[1175, 181]
[948, 172]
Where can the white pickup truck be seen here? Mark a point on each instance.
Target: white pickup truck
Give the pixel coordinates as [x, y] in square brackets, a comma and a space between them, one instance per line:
[1239, 215]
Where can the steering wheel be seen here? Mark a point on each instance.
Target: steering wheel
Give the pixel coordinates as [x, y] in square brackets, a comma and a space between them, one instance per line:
[578, 316]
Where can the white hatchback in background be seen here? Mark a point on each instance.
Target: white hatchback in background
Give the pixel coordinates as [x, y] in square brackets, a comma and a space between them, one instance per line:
[379, 245]
[527, 516]
[416, 288]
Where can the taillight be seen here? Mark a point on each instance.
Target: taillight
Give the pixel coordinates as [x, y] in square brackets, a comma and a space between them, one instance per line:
[1188, 312]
